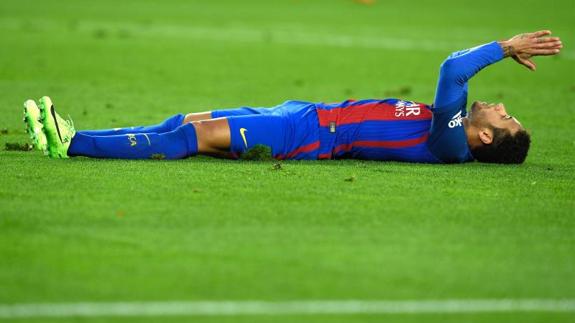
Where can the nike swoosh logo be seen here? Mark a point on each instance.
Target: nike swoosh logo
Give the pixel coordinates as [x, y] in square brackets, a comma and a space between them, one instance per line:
[53, 113]
[243, 133]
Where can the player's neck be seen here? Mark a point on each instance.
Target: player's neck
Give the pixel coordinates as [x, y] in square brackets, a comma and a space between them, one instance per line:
[471, 133]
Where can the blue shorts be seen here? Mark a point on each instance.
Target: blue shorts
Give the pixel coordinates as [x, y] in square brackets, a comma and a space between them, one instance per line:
[290, 129]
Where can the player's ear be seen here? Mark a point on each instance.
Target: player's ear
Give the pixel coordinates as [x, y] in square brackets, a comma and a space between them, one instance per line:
[486, 136]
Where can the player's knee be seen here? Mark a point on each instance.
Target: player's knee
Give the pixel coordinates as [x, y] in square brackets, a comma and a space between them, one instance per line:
[211, 135]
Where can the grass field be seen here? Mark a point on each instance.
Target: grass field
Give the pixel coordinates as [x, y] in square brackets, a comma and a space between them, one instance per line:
[203, 229]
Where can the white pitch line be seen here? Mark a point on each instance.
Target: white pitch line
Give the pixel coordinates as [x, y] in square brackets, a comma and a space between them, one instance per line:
[298, 307]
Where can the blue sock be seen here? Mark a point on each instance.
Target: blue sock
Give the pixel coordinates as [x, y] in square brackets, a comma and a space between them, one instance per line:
[168, 125]
[176, 144]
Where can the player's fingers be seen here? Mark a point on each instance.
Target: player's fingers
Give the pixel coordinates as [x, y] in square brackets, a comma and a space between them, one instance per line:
[541, 33]
[522, 62]
[548, 45]
[546, 39]
[529, 64]
[544, 51]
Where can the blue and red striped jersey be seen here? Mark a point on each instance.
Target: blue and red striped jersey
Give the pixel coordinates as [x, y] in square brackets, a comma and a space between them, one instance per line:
[389, 129]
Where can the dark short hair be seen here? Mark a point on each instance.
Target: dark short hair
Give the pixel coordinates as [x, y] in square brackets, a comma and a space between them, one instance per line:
[505, 148]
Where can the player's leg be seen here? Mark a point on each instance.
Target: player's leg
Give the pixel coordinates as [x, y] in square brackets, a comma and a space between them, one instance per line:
[167, 125]
[214, 137]
[206, 137]
[176, 144]
[64, 141]
[211, 137]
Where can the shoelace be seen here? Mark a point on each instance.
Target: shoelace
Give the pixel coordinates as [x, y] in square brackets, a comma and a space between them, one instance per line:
[70, 124]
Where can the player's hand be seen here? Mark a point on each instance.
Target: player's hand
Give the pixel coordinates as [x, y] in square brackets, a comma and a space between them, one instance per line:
[524, 46]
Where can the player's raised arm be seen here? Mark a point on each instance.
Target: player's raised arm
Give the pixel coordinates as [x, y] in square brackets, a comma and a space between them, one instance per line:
[458, 68]
[524, 46]
[462, 65]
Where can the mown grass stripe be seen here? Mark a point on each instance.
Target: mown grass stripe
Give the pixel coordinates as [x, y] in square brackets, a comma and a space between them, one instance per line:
[292, 35]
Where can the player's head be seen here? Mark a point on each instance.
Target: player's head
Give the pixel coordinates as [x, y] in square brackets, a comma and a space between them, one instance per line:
[497, 137]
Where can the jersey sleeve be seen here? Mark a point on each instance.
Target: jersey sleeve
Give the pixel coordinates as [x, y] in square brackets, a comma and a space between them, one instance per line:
[447, 139]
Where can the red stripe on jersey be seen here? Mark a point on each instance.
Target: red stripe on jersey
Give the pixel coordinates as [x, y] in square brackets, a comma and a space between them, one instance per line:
[375, 111]
[381, 144]
[327, 116]
[303, 149]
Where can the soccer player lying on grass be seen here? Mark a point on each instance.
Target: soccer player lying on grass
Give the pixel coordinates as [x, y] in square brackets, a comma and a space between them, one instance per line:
[388, 129]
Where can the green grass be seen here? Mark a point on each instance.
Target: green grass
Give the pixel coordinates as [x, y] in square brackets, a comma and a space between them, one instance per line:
[208, 229]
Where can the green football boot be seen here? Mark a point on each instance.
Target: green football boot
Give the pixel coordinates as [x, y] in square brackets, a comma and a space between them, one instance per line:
[59, 132]
[33, 121]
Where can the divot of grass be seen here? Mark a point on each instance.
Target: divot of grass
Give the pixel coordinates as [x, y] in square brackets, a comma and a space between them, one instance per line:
[351, 179]
[258, 152]
[16, 146]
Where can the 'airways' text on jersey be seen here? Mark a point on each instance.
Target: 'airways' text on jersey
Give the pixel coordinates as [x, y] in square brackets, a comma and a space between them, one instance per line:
[407, 108]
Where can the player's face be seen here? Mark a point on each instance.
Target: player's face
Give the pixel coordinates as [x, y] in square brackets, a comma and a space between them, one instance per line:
[485, 114]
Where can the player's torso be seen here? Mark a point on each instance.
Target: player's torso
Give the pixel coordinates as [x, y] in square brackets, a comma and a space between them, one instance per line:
[389, 129]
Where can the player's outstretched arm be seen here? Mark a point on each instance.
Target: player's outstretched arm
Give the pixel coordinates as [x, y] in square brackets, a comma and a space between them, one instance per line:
[524, 46]
[462, 65]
